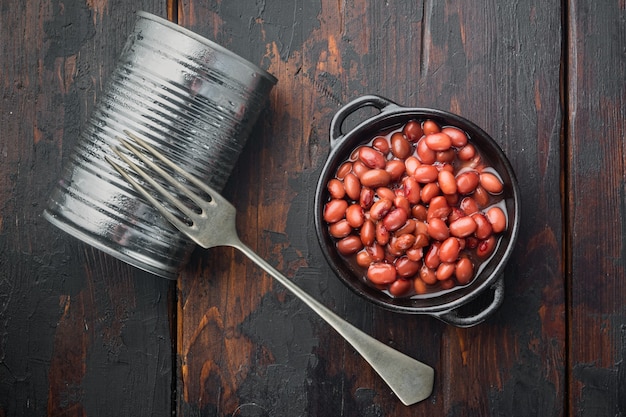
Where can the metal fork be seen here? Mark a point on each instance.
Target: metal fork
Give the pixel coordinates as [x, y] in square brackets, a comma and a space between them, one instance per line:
[214, 225]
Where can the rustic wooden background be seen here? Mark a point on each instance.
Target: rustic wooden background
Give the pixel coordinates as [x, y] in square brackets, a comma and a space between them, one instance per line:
[82, 334]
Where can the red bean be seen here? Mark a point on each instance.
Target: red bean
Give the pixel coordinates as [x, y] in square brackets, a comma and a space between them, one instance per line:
[412, 190]
[497, 218]
[469, 206]
[483, 227]
[431, 258]
[428, 275]
[467, 152]
[349, 245]
[401, 202]
[407, 228]
[419, 286]
[419, 212]
[415, 254]
[438, 141]
[368, 232]
[481, 196]
[421, 240]
[447, 182]
[381, 273]
[491, 183]
[402, 243]
[340, 229]
[449, 250]
[359, 168]
[411, 164]
[400, 287]
[371, 157]
[426, 173]
[464, 271]
[380, 209]
[413, 131]
[445, 156]
[445, 270]
[386, 193]
[438, 207]
[486, 247]
[425, 154]
[430, 191]
[437, 229]
[463, 227]
[355, 215]
[366, 197]
[336, 189]
[406, 268]
[457, 136]
[467, 182]
[400, 146]
[381, 144]
[363, 259]
[430, 126]
[335, 210]
[376, 178]
[376, 251]
[352, 185]
[396, 169]
[382, 234]
[344, 169]
[395, 219]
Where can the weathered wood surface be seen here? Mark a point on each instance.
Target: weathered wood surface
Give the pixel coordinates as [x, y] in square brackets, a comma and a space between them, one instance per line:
[80, 333]
[84, 334]
[596, 197]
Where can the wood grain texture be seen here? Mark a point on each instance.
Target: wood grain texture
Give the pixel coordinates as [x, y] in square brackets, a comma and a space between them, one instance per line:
[596, 197]
[80, 333]
[246, 347]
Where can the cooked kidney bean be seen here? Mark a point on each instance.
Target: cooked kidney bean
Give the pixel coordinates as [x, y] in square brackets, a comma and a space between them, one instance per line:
[371, 157]
[400, 287]
[400, 146]
[497, 218]
[335, 188]
[438, 141]
[340, 229]
[375, 178]
[467, 182]
[349, 245]
[413, 131]
[355, 215]
[381, 273]
[457, 136]
[491, 183]
[418, 209]
[335, 210]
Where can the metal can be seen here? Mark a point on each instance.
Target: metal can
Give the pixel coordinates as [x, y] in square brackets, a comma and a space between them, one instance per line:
[190, 98]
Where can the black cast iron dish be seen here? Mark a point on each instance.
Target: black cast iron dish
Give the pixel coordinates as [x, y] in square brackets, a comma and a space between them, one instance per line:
[462, 306]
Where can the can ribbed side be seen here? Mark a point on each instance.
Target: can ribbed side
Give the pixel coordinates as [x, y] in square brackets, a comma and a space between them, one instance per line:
[194, 103]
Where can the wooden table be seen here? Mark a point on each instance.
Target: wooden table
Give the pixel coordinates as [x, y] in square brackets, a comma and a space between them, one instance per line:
[82, 333]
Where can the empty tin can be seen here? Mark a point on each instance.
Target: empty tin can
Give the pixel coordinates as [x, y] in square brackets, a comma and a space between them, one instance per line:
[191, 99]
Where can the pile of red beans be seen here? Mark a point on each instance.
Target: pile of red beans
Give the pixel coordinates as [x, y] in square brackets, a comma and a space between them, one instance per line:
[418, 209]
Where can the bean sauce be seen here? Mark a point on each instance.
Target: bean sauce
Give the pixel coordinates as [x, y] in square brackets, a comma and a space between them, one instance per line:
[418, 210]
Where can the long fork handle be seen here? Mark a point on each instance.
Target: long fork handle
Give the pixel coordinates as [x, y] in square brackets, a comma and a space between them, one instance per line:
[410, 380]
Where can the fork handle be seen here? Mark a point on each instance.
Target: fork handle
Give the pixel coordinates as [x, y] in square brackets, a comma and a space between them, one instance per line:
[410, 380]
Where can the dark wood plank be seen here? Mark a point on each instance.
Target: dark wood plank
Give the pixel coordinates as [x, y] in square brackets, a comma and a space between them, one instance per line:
[245, 345]
[596, 201]
[80, 333]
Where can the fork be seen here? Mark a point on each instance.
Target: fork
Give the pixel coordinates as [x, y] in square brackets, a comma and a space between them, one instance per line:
[212, 223]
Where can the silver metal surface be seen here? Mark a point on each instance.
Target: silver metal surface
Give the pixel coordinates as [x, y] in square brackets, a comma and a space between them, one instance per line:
[210, 222]
[191, 99]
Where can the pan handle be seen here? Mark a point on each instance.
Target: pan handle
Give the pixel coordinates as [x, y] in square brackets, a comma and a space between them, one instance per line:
[342, 114]
[452, 317]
